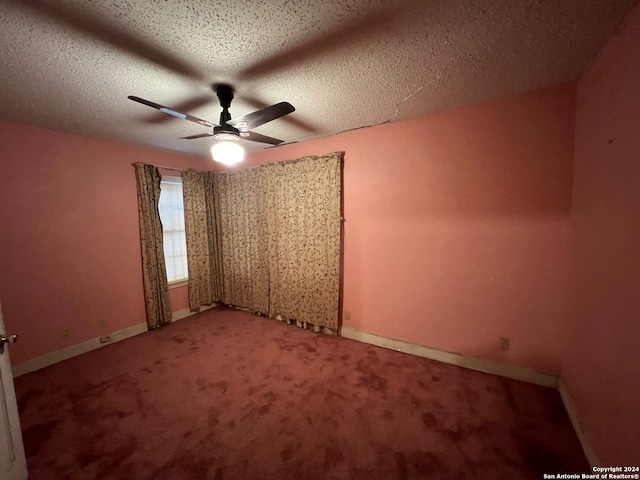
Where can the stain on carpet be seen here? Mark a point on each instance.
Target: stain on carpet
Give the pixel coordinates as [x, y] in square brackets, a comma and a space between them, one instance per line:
[36, 436]
[333, 456]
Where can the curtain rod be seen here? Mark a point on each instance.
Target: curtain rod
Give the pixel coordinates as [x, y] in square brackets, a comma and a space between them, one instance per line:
[169, 168]
[160, 166]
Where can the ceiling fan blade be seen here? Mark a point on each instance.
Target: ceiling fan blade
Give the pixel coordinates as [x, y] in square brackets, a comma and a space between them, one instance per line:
[200, 135]
[169, 111]
[188, 105]
[260, 117]
[295, 120]
[257, 137]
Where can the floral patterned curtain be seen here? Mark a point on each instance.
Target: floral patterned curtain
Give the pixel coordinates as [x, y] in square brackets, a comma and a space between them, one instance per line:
[304, 232]
[264, 238]
[242, 221]
[205, 275]
[154, 270]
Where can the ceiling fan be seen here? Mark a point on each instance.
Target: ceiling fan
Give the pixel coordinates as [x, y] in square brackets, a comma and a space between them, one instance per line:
[238, 128]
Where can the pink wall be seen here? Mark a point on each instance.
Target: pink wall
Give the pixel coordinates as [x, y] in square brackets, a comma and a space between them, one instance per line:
[601, 368]
[70, 241]
[457, 226]
[456, 229]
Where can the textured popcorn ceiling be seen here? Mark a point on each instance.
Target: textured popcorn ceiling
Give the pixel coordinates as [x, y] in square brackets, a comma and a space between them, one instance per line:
[69, 65]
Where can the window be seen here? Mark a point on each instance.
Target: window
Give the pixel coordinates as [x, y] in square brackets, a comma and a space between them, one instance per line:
[171, 208]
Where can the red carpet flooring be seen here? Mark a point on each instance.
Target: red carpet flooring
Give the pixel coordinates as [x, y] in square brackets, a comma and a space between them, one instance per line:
[228, 395]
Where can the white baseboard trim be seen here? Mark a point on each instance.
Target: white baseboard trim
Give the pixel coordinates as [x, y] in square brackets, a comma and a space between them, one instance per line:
[466, 361]
[74, 350]
[185, 312]
[570, 407]
[87, 346]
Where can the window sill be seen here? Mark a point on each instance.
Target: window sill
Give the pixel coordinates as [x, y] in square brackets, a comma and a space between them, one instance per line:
[178, 283]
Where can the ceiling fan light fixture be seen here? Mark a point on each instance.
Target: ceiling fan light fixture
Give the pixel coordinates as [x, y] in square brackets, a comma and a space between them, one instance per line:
[227, 150]
[222, 136]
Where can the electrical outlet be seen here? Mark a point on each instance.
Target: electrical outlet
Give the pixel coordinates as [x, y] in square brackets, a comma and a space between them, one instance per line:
[65, 332]
[102, 322]
[504, 343]
[347, 315]
[105, 338]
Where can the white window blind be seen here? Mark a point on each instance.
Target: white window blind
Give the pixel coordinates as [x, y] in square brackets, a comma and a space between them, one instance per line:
[171, 208]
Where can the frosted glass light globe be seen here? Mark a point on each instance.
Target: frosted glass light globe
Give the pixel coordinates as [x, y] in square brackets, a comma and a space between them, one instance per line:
[227, 152]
